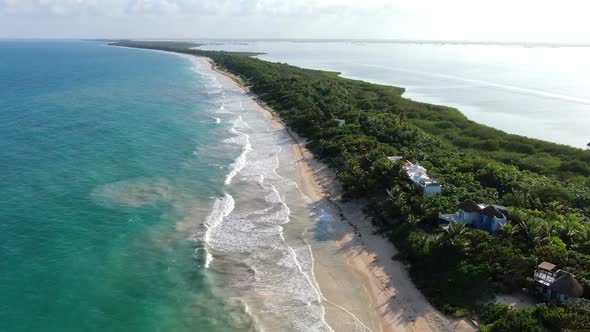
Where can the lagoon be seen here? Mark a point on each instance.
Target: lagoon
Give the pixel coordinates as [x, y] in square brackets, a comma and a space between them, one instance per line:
[539, 92]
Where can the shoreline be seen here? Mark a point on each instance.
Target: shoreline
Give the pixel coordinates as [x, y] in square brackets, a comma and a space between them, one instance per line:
[396, 303]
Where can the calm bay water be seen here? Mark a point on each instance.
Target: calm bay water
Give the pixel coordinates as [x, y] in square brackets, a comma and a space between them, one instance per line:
[101, 190]
[540, 92]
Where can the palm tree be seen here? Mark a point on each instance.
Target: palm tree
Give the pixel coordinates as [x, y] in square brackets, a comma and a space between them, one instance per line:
[398, 201]
[531, 229]
[569, 228]
[402, 118]
[413, 220]
[453, 236]
[524, 228]
[395, 194]
[556, 206]
[550, 228]
[509, 231]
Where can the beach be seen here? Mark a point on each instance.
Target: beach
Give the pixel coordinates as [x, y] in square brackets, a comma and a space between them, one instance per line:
[394, 303]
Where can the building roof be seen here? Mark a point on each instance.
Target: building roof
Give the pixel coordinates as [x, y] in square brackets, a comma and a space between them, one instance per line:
[417, 173]
[500, 208]
[546, 266]
[430, 182]
[488, 210]
[567, 284]
[491, 211]
[469, 206]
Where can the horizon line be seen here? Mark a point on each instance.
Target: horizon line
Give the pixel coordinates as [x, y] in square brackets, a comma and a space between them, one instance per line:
[351, 40]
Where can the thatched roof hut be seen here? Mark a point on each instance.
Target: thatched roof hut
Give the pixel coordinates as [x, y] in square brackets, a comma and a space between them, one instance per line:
[566, 283]
[469, 206]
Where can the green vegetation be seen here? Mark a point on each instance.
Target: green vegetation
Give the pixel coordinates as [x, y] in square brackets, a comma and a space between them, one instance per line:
[545, 185]
[178, 47]
[501, 318]
[158, 45]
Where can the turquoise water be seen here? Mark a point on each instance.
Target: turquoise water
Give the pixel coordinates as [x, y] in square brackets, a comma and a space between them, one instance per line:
[102, 188]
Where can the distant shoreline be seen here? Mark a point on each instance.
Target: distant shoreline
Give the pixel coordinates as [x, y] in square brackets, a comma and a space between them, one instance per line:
[494, 101]
[371, 41]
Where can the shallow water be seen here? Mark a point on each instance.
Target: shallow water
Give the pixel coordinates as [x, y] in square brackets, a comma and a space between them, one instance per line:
[102, 190]
[540, 92]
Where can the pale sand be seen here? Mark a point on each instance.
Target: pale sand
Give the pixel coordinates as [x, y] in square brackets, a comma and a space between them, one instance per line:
[396, 303]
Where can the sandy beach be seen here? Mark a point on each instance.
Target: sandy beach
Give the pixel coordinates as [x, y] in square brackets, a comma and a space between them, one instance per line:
[395, 303]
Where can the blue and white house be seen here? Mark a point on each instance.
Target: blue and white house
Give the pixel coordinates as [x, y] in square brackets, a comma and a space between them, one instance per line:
[419, 176]
[491, 218]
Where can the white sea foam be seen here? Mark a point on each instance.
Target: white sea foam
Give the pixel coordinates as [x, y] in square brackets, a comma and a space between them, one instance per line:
[248, 235]
[222, 207]
[238, 165]
[283, 274]
[223, 108]
[240, 123]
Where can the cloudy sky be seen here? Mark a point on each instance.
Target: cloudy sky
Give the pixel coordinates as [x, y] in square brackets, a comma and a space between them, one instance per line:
[498, 20]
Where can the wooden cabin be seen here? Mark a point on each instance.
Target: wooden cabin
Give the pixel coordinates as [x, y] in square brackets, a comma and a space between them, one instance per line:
[557, 285]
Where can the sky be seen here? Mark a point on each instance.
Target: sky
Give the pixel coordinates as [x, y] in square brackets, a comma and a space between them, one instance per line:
[562, 21]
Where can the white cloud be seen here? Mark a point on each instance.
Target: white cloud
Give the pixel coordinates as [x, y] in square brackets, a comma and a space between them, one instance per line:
[415, 19]
[188, 7]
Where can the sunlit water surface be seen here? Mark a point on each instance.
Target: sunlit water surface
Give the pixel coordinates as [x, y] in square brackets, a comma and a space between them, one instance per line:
[540, 92]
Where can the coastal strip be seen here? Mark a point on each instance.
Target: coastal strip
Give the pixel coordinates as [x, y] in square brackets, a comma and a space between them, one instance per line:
[396, 303]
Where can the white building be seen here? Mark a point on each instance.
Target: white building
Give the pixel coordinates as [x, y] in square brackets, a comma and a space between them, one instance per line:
[419, 176]
[341, 122]
[491, 218]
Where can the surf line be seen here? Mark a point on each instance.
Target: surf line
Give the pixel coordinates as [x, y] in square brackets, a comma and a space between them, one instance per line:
[222, 207]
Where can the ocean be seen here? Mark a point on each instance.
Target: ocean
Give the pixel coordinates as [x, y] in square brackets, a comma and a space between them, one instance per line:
[110, 160]
[142, 191]
[536, 91]
[98, 166]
